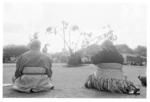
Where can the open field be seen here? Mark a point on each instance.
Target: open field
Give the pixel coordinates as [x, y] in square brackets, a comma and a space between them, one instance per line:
[69, 82]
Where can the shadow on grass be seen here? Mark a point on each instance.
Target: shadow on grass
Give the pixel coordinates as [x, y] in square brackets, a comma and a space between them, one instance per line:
[9, 92]
[75, 66]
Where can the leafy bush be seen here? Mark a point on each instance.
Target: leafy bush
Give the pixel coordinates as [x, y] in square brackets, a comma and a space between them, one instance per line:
[74, 60]
[108, 54]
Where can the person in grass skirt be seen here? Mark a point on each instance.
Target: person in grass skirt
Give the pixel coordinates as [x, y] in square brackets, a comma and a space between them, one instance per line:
[109, 75]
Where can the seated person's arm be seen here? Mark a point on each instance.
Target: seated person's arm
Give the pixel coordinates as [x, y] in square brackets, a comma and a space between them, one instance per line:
[49, 71]
[19, 68]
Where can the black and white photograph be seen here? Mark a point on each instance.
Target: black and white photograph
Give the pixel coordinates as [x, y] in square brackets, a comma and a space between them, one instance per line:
[74, 50]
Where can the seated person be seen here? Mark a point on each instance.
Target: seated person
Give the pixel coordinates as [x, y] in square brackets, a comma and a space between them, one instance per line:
[33, 70]
[109, 75]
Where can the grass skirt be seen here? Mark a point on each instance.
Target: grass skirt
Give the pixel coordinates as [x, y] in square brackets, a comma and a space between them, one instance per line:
[111, 80]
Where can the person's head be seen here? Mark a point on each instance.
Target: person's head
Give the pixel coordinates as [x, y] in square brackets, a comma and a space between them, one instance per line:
[35, 45]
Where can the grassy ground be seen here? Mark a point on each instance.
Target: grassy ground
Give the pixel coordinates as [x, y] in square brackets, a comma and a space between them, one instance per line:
[69, 82]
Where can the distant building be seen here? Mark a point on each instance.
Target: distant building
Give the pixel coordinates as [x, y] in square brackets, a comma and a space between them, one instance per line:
[134, 59]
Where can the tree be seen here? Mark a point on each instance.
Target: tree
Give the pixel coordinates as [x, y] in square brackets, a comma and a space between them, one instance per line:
[13, 51]
[141, 50]
[84, 40]
[123, 48]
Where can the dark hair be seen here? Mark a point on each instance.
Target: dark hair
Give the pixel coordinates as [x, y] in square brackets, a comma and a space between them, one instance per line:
[108, 54]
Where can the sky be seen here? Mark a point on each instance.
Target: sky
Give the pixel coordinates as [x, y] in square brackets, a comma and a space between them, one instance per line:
[21, 20]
